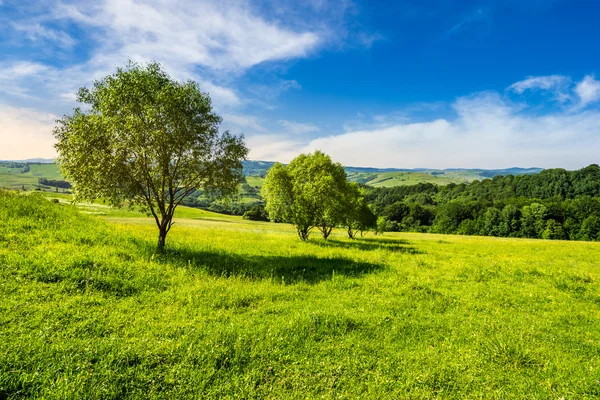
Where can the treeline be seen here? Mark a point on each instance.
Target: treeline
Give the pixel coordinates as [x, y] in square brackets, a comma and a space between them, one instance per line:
[54, 183]
[231, 206]
[554, 204]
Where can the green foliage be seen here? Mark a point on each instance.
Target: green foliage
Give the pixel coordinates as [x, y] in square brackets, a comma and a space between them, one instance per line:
[241, 309]
[256, 213]
[147, 140]
[590, 228]
[357, 215]
[382, 225]
[309, 192]
[553, 231]
[553, 204]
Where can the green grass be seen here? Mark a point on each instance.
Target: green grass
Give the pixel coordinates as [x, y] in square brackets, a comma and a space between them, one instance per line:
[397, 178]
[240, 309]
[255, 181]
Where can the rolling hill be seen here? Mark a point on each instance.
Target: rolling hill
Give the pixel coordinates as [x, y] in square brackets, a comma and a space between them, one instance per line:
[25, 175]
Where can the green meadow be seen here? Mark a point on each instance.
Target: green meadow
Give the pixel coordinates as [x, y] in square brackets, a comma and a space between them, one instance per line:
[242, 309]
[17, 178]
[396, 178]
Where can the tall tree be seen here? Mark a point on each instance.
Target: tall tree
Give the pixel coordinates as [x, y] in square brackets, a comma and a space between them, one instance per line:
[147, 140]
[308, 193]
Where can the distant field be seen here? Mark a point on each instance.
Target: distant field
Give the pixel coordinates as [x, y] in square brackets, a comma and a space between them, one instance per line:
[255, 181]
[15, 178]
[241, 309]
[391, 179]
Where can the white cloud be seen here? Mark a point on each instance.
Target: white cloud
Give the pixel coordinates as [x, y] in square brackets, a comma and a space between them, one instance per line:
[489, 131]
[557, 84]
[208, 41]
[38, 32]
[550, 82]
[221, 35]
[243, 121]
[584, 93]
[298, 128]
[25, 133]
[280, 148]
[588, 91]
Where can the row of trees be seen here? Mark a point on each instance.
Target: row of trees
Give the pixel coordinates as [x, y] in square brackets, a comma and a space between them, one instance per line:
[54, 183]
[313, 192]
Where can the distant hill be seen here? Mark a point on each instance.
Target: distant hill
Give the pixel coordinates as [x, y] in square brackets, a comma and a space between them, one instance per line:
[16, 174]
[390, 177]
[32, 161]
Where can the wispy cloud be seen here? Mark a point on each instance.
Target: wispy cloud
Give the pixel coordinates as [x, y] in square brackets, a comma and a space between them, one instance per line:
[210, 41]
[467, 20]
[244, 122]
[298, 128]
[39, 33]
[550, 82]
[577, 96]
[487, 130]
[221, 35]
[588, 91]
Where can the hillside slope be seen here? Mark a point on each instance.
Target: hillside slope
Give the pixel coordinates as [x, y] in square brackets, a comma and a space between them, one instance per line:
[245, 310]
[19, 175]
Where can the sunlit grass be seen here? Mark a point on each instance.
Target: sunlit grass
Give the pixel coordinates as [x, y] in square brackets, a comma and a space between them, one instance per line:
[240, 309]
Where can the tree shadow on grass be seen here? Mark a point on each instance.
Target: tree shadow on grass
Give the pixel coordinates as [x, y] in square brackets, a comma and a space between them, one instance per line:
[287, 270]
[368, 244]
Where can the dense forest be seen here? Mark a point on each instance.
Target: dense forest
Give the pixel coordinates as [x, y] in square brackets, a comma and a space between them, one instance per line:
[554, 204]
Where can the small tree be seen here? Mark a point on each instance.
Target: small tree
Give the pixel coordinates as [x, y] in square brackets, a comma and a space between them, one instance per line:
[381, 225]
[308, 193]
[147, 140]
[357, 217]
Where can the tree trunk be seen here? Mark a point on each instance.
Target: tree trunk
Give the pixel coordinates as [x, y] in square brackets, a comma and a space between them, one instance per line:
[163, 229]
[351, 233]
[162, 236]
[326, 231]
[303, 233]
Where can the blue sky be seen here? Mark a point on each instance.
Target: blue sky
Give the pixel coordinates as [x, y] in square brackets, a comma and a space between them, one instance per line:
[439, 84]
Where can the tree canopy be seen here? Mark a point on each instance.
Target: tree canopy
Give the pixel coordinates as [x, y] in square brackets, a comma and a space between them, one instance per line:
[554, 204]
[148, 140]
[312, 191]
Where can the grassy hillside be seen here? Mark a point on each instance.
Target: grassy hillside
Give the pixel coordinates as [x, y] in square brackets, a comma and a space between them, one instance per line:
[255, 171]
[16, 178]
[240, 309]
[391, 179]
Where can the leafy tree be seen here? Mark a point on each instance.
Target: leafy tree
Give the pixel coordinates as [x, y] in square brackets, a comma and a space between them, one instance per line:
[397, 211]
[450, 215]
[590, 228]
[526, 204]
[382, 223]
[533, 221]
[510, 220]
[469, 227]
[358, 216]
[148, 140]
[491, 222]
[308, 193]
[553, 231]
[256, 213]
